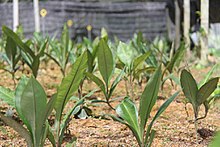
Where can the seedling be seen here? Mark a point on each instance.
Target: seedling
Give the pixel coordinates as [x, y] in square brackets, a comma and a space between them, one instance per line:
[197, 95]
[137, 120]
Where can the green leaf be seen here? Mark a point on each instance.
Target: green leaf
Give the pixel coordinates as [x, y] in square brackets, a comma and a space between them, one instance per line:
[17, 40]
[51, 137]
[98, 82]
[33, 107]
[7, 95]
[176, 59]
[11, 50]
[35, 66]
[105, 61]
[66, 119]
[208, 75]
[126, 53]
[18, 92]
[128, 111]
[149, 97]
[189, 87]
[159, 112]
[206, 90]
[216, 140]
[70, 84]
[139, 60]
[115, 83]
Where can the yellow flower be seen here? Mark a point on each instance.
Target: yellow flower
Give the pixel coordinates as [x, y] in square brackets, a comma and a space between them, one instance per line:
[69, 23]
[89, 28]
[43, 12]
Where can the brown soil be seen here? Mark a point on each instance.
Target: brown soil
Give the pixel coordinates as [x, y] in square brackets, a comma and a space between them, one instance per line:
[173, 128]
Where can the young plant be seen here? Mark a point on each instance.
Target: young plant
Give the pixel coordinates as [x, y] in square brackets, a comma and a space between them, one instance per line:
[32, 107]
[197, 95]
[132, 62]
[12, 57]
[137, 120]
[31, 58]
[61, 51]
[106, 68]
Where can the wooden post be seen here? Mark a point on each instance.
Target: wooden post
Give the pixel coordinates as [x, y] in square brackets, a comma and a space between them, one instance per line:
[36, 16]
[205, 30]
[15, 15]
[177, 25]
[186, 25]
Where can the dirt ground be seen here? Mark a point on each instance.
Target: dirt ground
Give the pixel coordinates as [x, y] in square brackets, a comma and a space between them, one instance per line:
[173, 128]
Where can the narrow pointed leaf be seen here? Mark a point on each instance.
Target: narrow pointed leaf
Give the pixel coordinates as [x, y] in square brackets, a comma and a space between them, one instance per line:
[70, 84]
[189, 87]
[115, 82]
[149, 97]
[159, 112]
[67, 117]
[18, 41]
[98, 82]
[208, 76]
[206, 90]
[11, 50]
[105, 61]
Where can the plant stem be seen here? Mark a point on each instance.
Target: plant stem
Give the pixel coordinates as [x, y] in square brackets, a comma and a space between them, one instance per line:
[131, 87]
[126, 88]
[196, 128]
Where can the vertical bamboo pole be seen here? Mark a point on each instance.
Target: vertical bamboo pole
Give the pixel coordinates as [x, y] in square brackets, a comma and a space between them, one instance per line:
[205, 30]
[15, 15]
[186, 25]
[177, 24]
[36, 15]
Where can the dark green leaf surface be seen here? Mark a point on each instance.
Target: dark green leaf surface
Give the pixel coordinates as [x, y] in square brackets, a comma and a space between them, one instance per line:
[206, 90]
[189, 87]
[105, 61]
[149, 97]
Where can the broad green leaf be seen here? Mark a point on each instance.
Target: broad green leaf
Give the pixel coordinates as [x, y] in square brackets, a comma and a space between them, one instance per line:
[128, 111]
[18, 128]
[70, 84]
[140, 59]
[18, 41]
[189, 87]
[105, 61]
[98, 82]
[126, 53]
[149, 97]
[8, 96]
[206, 90]
[33, 107]
[18, 92]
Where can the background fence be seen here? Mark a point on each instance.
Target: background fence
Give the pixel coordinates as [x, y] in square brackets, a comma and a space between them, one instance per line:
[120, 19]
